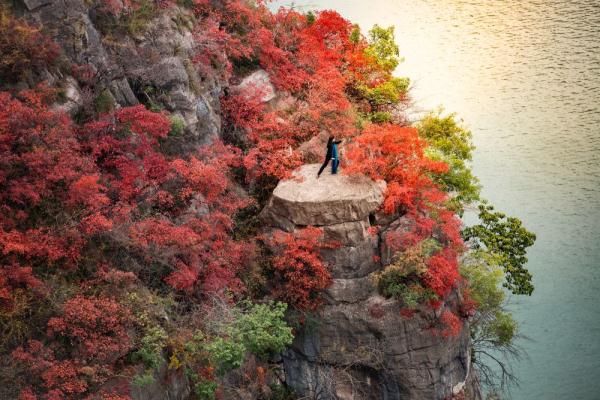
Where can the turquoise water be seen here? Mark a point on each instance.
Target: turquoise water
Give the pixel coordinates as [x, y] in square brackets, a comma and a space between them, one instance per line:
[525, 77]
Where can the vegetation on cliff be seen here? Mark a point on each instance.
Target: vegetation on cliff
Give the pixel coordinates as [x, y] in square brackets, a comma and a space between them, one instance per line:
[121, 258]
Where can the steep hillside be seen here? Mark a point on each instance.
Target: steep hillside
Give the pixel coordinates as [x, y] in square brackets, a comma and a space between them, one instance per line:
[162, 229]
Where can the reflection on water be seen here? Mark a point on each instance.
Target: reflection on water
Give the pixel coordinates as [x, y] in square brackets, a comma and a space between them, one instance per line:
[525, 77]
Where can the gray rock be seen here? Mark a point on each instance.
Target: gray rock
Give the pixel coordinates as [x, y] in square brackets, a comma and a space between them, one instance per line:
[167, 73]
[392, 357]
[347, 233]
[331, 199]
[352, 261]
[72, 94]
[33, 4]
[122, 92]
[350, 290]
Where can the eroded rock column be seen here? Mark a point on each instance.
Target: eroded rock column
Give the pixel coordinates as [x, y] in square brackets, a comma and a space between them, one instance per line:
[360, 347]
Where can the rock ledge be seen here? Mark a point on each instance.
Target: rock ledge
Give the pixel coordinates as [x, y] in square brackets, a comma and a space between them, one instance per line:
[331, 199]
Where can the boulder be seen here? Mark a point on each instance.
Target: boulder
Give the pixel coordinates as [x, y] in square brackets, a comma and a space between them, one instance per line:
[331, 199]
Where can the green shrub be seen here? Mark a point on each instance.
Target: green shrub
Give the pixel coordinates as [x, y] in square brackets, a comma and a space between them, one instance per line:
[401, 279]
[104, 102]
[226, 354]
[177, 126]
[263, 329]
[381, 117]
[383, 48]
[506, 239]
[152, 344]
[206, 389]
[142, 380]
[451, 143]
[493, 329]
[256, 328]
[390, 92]
[281, 392]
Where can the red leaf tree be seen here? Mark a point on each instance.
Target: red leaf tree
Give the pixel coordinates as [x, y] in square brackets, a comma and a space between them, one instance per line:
[301, 274]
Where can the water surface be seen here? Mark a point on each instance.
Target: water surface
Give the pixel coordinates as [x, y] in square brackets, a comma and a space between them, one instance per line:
[525, 77]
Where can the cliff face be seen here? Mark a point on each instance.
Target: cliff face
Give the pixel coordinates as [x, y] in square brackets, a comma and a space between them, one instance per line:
[152, 65]
[360, 347]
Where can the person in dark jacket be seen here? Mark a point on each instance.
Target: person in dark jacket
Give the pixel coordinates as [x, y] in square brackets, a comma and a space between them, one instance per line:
[331, 153]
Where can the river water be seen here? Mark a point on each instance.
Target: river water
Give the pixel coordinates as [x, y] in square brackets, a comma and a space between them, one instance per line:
[525, 78]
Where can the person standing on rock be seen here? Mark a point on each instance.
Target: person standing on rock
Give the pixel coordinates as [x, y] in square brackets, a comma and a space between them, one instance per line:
[331, 154]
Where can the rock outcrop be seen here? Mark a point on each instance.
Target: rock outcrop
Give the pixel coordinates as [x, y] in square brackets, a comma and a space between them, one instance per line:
[152, 65]
[360, 346]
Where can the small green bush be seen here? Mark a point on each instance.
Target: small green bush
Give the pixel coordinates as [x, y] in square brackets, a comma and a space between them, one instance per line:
[389, 92]
[150, 351]
[401, 279]
[104, 102]
[263, 329]
[381, 117]
[177, 126]
[205, 389]
[449, 141]
[383, 48]
[281, 392]
[226, 354]
[143, 380]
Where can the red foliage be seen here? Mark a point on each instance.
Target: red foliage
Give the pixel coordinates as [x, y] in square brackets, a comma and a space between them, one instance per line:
[451, 325]
[94, 333]
[96, 326]
[442, 274]
[301, 274]
[307, 60]
[71, 195]
[63, 190]
[396, 155]
[24, 49]
[407, 313]
[43, 177]
[376, 311]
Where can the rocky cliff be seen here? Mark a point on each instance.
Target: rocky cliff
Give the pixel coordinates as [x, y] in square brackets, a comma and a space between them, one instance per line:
[152, 65]
[360, 347]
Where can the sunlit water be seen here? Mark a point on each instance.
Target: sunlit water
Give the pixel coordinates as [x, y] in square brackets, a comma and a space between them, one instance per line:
[525, 77]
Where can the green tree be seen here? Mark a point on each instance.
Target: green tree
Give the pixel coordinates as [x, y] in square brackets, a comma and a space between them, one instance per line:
[383, 48]
[493, 329]
[506, 239]
[450, 142]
